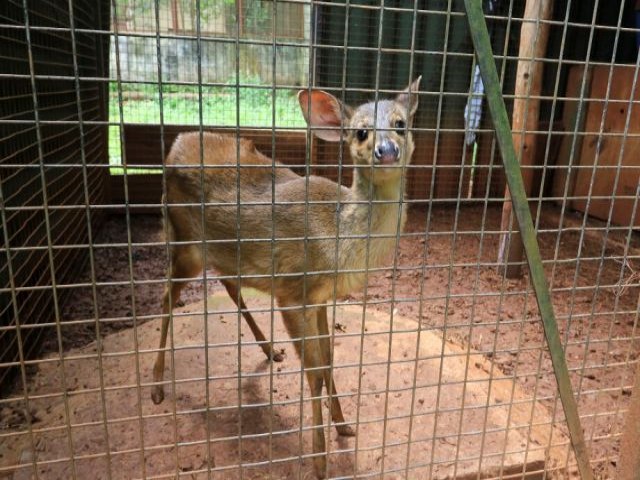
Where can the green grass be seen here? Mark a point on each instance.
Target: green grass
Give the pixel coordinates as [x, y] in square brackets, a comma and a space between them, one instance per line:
[181, 106]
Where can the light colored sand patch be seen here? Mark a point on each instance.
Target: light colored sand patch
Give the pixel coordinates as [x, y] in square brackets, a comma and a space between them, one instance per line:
[459, 419]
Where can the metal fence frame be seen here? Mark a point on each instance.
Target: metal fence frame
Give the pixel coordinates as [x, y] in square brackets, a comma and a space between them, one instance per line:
[337, 48]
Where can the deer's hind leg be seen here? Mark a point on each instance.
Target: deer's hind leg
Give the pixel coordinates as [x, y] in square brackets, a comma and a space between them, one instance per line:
[186, 263]
[265, 345]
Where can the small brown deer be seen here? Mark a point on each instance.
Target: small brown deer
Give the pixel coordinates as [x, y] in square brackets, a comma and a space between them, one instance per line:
[305, 216]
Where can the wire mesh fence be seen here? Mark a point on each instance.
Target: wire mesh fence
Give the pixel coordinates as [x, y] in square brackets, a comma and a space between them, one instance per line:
[433, 355]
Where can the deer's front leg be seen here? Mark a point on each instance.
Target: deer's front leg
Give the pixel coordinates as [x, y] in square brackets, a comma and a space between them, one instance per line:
[325, 345]
[305, 328]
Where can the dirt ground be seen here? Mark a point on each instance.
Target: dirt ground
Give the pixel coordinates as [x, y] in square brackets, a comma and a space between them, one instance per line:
[450, 284]
[461, 417]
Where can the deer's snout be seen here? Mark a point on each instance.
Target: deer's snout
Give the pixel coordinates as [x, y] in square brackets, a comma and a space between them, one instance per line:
[387, 152]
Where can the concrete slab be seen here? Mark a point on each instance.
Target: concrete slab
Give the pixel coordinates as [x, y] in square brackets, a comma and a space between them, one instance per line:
[462, 420]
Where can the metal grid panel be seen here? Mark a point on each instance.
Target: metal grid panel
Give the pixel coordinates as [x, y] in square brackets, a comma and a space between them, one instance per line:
[440, 358]
[46, 75]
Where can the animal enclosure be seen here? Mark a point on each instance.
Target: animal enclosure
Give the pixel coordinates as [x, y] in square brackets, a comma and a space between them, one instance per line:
[366, 205]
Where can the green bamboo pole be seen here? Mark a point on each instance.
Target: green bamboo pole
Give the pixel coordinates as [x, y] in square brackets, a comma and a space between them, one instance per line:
[486, 62]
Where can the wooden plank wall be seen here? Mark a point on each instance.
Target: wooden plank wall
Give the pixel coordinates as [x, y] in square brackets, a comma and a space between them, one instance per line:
[600, 156]
[143, 148]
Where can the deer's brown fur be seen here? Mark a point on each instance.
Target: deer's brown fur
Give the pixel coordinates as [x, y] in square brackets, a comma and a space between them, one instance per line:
[305, 216]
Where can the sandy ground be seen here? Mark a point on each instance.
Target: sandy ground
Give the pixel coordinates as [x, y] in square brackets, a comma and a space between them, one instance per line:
[460, 418]
[447, 282]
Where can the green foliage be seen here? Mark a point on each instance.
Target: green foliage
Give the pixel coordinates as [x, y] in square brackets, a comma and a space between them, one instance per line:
[257, 16]
[247, 106]
[251, 105]
[256, 13]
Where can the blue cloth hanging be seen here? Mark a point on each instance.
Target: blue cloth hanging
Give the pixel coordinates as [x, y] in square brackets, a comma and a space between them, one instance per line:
[473, 109]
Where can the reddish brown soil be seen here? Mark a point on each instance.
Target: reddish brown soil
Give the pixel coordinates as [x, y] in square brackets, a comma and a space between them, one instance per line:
[446, 279]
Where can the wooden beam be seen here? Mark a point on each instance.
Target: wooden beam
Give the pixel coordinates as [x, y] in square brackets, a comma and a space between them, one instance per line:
[573, 119]
[174, 16]
[526, 113]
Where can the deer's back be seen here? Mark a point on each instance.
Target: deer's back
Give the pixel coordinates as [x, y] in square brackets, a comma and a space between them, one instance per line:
[215, 171]
[272, 229]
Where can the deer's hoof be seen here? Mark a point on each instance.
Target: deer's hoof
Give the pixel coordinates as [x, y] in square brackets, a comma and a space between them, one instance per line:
[157, 395]
[346, 430]
[320, 467]
[277, 356]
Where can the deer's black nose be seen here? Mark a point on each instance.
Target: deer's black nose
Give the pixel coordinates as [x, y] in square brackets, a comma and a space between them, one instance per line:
[386, 152]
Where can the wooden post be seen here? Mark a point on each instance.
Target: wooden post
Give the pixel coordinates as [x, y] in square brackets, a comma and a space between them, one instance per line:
[526, 113]
[174, 16]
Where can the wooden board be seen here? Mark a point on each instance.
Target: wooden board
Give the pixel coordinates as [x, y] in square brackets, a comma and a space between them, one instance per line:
[144, 148]
[573, 118]
[143, 143]
[147, 145]
[606, 153]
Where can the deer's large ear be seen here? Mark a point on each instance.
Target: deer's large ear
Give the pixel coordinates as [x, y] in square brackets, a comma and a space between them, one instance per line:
[409, 97]
[322, 110]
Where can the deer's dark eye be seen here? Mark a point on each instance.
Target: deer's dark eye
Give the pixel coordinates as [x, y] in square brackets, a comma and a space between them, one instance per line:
[400, 126]
[362, 135]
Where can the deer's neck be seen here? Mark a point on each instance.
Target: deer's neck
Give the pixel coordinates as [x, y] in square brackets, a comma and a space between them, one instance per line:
[381, 201]
[369, 223]
[388, 191]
